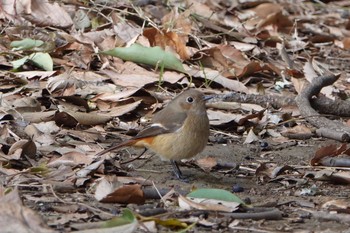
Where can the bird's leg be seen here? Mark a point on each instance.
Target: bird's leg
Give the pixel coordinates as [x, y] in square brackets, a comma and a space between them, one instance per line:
[177, 171]
[133, 159]
[142, 152]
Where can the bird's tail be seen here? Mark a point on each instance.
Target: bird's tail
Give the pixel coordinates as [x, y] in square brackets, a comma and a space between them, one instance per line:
[120, 145]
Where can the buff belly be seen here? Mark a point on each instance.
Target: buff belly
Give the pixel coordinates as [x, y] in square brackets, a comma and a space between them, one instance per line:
[180, 145]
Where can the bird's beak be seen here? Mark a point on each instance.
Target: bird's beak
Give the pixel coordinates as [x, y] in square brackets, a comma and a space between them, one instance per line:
[207, 97]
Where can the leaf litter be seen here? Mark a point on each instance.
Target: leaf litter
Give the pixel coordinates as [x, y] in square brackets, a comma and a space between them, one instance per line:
[79, 77]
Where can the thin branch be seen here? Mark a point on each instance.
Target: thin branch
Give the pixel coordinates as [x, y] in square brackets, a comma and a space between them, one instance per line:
[78, 203]
[327, 128]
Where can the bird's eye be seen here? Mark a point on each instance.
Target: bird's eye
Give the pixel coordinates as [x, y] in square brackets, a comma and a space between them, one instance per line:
[189, 99]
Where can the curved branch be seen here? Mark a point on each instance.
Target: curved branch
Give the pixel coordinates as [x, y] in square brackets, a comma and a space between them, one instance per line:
[322, 104]
[334, 129]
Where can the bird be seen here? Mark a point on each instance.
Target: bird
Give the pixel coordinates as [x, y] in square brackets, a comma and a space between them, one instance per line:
[179, 131]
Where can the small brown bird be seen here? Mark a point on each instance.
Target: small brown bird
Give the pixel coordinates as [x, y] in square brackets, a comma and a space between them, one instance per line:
[179, 131]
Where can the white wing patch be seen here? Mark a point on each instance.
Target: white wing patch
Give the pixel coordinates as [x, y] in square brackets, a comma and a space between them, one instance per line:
[157, 125]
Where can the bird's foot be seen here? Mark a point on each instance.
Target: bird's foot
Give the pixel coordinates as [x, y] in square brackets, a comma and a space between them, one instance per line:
[178, 172]
[182, 178]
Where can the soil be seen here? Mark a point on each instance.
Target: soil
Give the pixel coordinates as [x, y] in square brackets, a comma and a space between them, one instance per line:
[283, 195]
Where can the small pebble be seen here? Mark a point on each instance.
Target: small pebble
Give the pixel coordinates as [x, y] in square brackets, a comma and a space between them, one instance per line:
[247, 201]
[236, 188]
[264, 145]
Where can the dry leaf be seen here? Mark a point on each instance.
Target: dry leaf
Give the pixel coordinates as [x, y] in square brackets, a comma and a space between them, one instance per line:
[70, 159]
[207, 163]
[125, 195]
[215, 76]
[328, 151]
[220, 118]
[272, 170]
[13, 215]
[47, 14]
[251, 137]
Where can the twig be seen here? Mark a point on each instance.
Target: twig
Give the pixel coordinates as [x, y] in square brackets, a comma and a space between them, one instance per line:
[78, 203]
[147, 170]
[250, 229]
[327, 133]
[133, 159]
[223, 133]
[263, 100]
[338, 217]
[160, 195]
[267, 214]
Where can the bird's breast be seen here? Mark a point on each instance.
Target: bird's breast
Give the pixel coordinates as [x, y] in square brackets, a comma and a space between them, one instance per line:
[186, 142]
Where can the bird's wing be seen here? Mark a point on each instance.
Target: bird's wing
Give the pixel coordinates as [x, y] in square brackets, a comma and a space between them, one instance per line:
[163, 122]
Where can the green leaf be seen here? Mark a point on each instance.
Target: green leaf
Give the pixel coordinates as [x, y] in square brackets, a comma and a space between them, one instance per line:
[127, 223]
[41, 60]
[216, 194]
[20, 62]
[172, 222]
[126, 218]
[187, 228]
[40, 170]
[25, 44]
[154, 56]
[95, 23]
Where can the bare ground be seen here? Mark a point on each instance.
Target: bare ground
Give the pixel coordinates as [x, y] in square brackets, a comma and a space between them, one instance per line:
[283, 194]
[296, 217]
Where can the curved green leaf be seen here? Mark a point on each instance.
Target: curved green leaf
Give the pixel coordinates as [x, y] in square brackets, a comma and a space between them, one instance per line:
[26, 44]
[126, 223]
[20, 62]
[154, 56]
[41, 60]
[127, 217]
[216, 194]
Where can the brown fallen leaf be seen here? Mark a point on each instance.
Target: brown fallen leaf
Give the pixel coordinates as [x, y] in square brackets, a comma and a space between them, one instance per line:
[126, 194]
[270, 13]
[329, 151]
[297, 132]
[70, 159]
[220, 118]
[228, 60]
[37, 117]
[166, 39]
[14, 217]
[298, 129]
[35, 74]
[112, 189]
[258, 116]
[76, 100]
[216, 77]
[123, 109]
[65, 119]
[338, 205]
[207, 163]
[88, 118]
[251, 137]
[21, 148]
[115, 96]
[46, 14]
[335, 177]
[138, 77]
[271, 170]
[346, 43]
